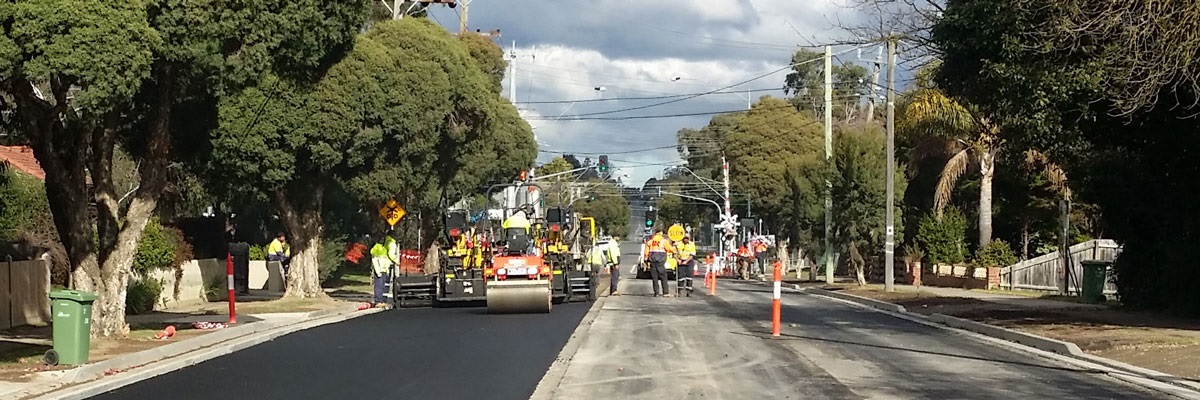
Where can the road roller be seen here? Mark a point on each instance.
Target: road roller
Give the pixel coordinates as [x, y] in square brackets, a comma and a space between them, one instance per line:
[519, 284]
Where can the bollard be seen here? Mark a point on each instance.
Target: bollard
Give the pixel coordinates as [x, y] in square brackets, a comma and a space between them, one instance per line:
[712, 288]
[229, 273]
[775, 300]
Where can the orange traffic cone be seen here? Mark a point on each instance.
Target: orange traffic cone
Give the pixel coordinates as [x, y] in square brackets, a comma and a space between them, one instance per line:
[165, 333]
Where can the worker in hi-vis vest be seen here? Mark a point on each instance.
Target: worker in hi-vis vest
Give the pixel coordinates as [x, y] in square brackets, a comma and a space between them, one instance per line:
[384, 256]
[687, 263]
[655, 250]
[612, 256]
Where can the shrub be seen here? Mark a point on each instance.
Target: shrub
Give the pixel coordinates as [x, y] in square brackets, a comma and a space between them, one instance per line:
[995, 254]
[156, 250]
[142, 295]
[331, 256]
[944, 240]
[258, 253]
[22, 201]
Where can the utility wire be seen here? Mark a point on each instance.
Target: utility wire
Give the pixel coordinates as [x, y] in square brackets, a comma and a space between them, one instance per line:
[692, 96]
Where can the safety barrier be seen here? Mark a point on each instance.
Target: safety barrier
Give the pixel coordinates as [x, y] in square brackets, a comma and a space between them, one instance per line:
[411, 262]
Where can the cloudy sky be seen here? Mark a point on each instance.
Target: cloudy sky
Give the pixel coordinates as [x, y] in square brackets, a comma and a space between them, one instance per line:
[631, 49]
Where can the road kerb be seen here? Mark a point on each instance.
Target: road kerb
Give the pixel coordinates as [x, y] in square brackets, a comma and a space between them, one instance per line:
[1142, 377]
[547, 387]
[91, 380]
[1035, 341]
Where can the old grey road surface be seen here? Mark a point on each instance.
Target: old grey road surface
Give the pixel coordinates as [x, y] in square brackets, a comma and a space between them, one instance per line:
[702, 347]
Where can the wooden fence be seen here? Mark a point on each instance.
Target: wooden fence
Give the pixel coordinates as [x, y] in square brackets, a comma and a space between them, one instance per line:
[24, 292]
[1045, 273]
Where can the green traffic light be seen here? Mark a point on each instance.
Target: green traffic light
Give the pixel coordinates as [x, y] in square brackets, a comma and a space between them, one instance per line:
[649, 223]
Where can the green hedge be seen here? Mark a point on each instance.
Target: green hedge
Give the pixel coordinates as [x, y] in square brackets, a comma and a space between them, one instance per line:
[995, 254]
[944, 240]
[22, 201]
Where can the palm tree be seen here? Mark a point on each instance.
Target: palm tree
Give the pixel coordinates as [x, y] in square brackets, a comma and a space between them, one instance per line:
[967, 136]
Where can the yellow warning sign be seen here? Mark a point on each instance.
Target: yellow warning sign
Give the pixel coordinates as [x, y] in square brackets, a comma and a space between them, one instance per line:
[392, 212]
[676, 232]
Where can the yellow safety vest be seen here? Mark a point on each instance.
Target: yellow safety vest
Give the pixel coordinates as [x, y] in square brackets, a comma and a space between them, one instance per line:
[687, 251]
[277, 247]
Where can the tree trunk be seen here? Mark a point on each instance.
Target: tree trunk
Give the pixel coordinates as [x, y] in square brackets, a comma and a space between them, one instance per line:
[300, 211]
[1025, 239]
[987, 164]
[65, 146]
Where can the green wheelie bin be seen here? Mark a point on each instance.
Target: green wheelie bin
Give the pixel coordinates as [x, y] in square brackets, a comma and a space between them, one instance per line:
[72, 327]
[1095, 275]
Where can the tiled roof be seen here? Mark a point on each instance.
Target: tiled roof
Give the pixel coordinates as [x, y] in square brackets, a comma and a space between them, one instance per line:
[21, 158]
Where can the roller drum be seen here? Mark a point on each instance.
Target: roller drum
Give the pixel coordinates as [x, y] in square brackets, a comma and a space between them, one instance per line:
[518, 297]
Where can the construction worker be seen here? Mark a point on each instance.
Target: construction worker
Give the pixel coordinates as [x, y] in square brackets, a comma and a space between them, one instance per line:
[656, 250]
[760, 249]
[743, 262]
[687, 263]
[280, 251]
[382, 260]
[612, 255]
[516, 232]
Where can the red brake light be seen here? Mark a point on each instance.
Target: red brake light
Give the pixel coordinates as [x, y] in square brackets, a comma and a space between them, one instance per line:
[454, 232]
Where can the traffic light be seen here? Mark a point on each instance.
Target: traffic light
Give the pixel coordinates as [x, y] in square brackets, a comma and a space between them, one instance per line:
[602, 166]
[650, 217]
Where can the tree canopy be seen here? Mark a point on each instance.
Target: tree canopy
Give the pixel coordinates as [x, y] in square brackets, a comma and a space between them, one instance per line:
[1100, 88]
[79, 78]
[407, 114]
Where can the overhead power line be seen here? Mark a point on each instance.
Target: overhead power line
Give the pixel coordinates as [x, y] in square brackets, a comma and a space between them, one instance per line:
[695, 95]
[648, 97]
[606, 153]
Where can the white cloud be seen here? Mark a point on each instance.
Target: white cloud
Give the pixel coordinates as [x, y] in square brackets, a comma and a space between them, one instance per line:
[638, 49]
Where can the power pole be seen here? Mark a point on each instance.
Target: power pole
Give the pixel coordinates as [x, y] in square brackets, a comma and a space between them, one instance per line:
[462, 22]
[395, 9]
[889, 244]
[728, 207]
[512, 74]
[874, 85]
[828, 158]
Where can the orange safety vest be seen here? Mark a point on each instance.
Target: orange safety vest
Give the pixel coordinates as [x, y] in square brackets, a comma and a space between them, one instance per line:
[743, 251]
[762, 247]
[656, 244]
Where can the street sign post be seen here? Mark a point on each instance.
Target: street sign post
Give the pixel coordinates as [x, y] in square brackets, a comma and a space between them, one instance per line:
[392, 212]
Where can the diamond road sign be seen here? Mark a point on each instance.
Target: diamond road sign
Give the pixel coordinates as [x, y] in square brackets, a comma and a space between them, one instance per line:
[392, 212]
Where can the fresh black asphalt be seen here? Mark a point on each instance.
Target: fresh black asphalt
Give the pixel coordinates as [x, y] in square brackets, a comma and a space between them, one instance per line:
[438, 353]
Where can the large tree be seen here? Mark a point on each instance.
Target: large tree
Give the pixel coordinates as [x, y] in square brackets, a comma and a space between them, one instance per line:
[408, 114]
[970, 139]
[82, 77]
[1104, 88]
[859, 183]
[770, 136]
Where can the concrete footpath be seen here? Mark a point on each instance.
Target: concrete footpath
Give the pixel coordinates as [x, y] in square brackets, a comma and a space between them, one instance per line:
[92, 379]
[641, 347]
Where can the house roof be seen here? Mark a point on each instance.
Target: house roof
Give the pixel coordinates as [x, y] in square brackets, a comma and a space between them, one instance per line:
[21, 158]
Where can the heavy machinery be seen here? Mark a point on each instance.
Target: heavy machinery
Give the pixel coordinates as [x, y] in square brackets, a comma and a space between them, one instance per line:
[518, 279]
[459, 277]
[566, 243]
[512, 270]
